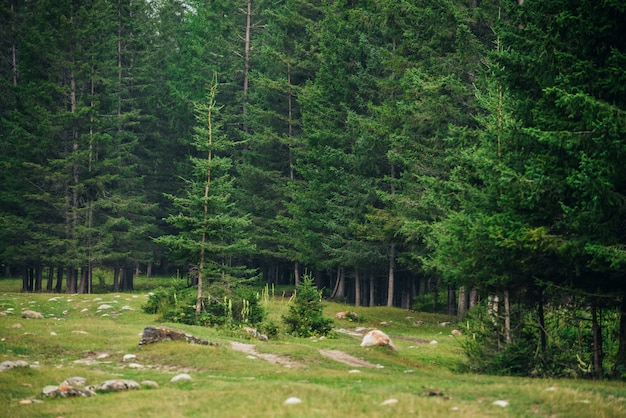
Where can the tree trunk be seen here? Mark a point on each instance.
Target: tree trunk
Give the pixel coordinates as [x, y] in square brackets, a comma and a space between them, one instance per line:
[392, 274]
[598, 355]
[372, 293]
[116, 279]
[50, 279]
[38, 286]
[507, 317]
[619, 368]
[473, 298]
[246, 63]
[296, 273]
[59, 284]
[25, 279]
[542, 326]
[357, 288]
[462, 304]
[451, 300]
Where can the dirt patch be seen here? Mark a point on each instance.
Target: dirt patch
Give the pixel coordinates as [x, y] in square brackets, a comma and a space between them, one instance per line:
[272, 358]
[346, 358]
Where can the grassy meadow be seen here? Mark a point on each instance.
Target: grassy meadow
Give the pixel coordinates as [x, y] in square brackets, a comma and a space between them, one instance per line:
[230, 383]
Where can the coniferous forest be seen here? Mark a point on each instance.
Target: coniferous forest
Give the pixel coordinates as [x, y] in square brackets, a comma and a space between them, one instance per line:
[471, 151]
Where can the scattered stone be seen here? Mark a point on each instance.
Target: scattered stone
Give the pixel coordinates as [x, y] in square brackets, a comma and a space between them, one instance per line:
[65, 392]
[255, 333]
[53, 299]
[433, 342]
[389, 402]
[550, 389]
[127, 308]
[353, 371]
[102, 356]
[74, 381]
[16, 326]
[418, 323]
[292, 401]
[104, 306]
[97, 299]
[128, 357]
[31, 314]
[84, 310]
[53, 334]
[135, 366]
[117, 385]
[6, 365]
[456, 333]
[445, 324]
[180, 377]
[79, 332]
[377, 337]
[501, 403]
[150, 384]
[349, 315]
[154, 335]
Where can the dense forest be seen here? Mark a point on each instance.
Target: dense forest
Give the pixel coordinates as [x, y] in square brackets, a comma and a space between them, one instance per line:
[389, 148]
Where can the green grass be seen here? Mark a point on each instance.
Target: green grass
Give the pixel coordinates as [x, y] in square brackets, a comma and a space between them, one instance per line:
[227, 383]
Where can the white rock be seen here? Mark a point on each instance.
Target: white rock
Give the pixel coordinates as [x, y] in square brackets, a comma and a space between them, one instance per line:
[127, 308]
[354, 371]
[79, 332]
[128, 357]
[292, 401]
[179, 377]
[135, 366]
[501, 403]
[84, 310]
[149, 383]
[390, 402]
[97, 299]
[104, 306]
[102, 356]
[433, 342]
[53, 334]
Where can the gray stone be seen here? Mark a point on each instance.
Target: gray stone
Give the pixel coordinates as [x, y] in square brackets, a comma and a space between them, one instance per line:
[31, 314]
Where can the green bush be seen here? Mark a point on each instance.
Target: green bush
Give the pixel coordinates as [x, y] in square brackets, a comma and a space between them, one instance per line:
[177, 303]
[305, 317]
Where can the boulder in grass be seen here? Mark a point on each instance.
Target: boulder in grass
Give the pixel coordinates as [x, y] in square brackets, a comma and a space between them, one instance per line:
[180, 377]
[31, 314]
[153, 335]
[6, 365]
[117, 385]
[377, 337]
[65, 392]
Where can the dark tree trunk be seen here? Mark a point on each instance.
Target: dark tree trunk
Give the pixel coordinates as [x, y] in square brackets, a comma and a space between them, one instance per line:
[619, 369]
[31, 279]
[462, 305]
[59, 284]
[72, 275]
[372, 291]
[38, 286]
[25, 279]
[598, 355]
[50, 279]
[116, 279]
[451, 300]
[542, 326]
[357, 288]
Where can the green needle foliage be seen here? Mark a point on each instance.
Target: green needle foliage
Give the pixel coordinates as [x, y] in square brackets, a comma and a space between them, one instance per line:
[305, 317]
